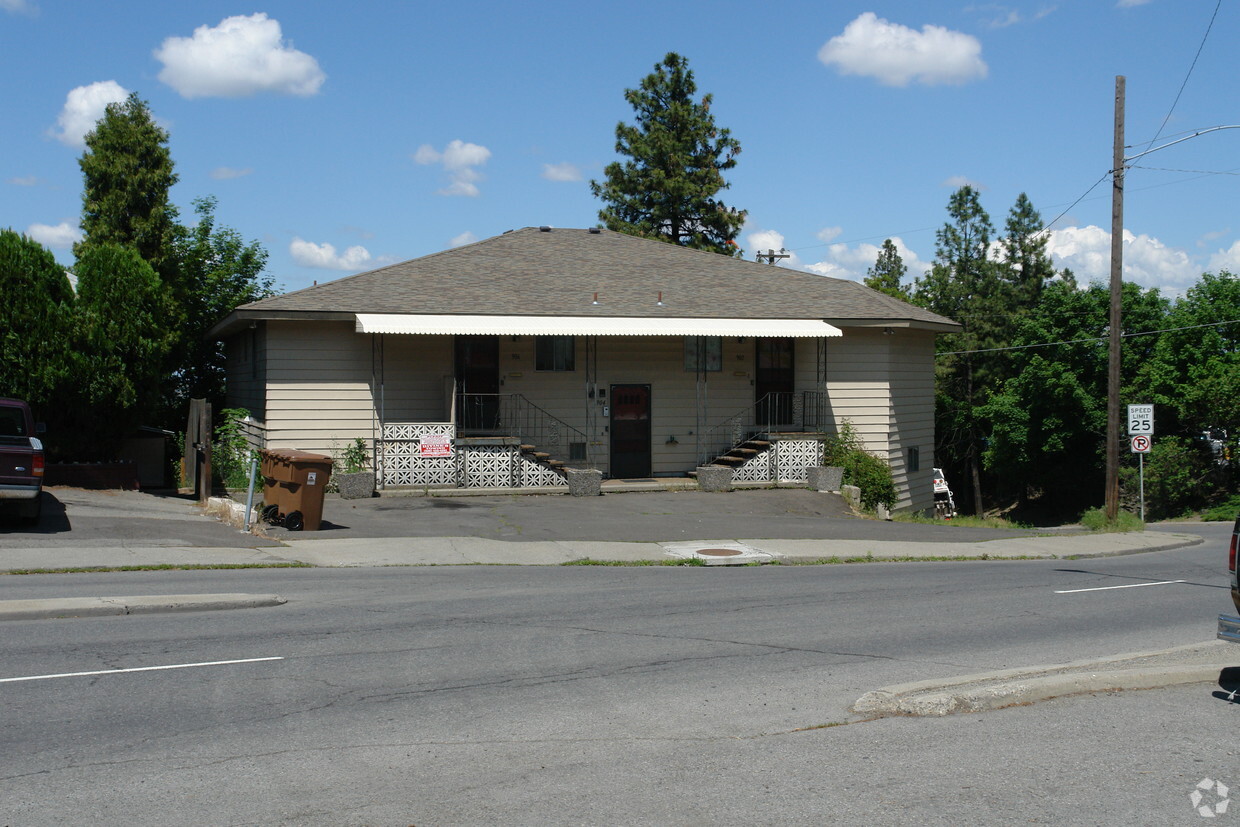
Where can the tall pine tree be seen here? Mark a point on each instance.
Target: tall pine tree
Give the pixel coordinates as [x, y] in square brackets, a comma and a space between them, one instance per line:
[964, 285]
[127, 171]
[676, 156]
[888, 272]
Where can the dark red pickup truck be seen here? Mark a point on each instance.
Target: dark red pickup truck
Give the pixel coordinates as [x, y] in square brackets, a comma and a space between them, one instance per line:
[1228, 626]
[21, 461]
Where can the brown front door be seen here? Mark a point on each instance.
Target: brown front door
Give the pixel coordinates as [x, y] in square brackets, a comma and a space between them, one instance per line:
[630, 431]
[477, 383]
[774, 382]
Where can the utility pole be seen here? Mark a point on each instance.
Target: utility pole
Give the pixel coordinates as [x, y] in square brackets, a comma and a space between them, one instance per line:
[1117, 266]
[771, 256]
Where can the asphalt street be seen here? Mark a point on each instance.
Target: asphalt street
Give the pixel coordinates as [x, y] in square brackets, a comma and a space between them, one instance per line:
[554, 695]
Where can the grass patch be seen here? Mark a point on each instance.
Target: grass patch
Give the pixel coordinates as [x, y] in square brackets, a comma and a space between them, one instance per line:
[1095, 519]
[1223, 512]
[962, 522]
[588, 561]
[163, 567]
[821, 561]
[869, 558]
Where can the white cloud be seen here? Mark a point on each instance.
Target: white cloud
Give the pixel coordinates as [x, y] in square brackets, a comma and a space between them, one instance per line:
[844, 262]
[1228, 260]
[895, 55]
[25, 181]
[83, 108]
[61, 237]
[1147, 261]
[829, 233]
[226, 173]
[958, 181]
[1128, 4]
[18, 7]
[458, 160]
[463, 239]
[324, 257]
[759, 241]
[241, 56]
[561, 172]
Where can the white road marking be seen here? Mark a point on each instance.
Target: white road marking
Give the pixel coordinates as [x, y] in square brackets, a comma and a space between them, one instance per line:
[1129, 586]
[135, 669]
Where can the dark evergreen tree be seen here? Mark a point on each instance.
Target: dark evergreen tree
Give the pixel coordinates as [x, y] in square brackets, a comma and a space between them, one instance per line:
[887, 274]
[964, 286]
[676, 156]
[36, 305]
[122, 340]
[127, 171]
[1027, 267]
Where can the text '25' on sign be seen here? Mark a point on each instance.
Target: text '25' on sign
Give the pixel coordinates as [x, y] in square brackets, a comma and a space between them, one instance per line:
[1141, 420]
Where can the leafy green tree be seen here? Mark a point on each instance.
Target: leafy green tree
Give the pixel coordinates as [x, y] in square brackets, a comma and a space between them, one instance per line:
[1193, 370]
[128, 174]
[963, 285]
[123, 341]
[888, 272]
[1047, 421]
[36, 305]
[676, 156]
[217, 271]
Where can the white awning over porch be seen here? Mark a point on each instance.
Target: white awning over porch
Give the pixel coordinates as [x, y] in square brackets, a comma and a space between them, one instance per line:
[591, 326]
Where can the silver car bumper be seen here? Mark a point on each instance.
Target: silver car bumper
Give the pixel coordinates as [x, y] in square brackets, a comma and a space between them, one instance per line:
[1229, 628]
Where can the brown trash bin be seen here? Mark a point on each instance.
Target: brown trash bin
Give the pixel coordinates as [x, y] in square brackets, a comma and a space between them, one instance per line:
[293, 485]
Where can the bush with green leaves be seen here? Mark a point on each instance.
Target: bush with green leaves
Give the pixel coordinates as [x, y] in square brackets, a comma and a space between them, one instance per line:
[861, 468]
[355, 457]
[230, 451]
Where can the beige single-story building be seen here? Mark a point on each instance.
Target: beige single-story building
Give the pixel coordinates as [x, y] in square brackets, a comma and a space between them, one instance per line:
[503, 362]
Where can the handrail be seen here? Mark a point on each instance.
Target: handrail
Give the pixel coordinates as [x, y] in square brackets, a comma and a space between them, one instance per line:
[801, 411]
[511, 414]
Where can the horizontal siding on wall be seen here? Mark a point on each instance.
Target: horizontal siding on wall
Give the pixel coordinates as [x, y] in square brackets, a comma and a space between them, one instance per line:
[318, 386]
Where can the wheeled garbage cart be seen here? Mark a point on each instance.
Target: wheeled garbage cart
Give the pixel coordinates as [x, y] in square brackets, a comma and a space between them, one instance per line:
[293, 485]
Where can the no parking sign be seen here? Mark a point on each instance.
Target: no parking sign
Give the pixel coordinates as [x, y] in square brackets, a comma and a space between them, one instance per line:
[1140, 444]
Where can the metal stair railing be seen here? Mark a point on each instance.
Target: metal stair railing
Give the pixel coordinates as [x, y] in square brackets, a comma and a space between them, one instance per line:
[789, 411]
[511, 414]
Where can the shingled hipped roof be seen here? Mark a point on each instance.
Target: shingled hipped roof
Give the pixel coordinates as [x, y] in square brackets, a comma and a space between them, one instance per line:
[562, 272]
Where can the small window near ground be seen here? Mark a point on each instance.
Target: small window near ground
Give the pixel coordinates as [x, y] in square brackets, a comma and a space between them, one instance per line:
[553, 353]
[914, 459]
[703, 353]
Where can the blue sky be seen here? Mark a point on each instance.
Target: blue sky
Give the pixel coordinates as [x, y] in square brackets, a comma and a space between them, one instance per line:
[347, 136]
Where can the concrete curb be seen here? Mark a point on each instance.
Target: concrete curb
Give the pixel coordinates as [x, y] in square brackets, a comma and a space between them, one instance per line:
[995, 690]
[144, 604]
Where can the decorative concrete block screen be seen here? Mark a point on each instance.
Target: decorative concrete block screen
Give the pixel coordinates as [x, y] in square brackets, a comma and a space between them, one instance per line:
[471, 466]
[785, 461]
[399, 455]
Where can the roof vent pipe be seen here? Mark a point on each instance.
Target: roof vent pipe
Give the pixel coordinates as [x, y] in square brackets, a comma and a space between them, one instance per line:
[594, 231]
[544, 229]
[595, 299]
[659, 303]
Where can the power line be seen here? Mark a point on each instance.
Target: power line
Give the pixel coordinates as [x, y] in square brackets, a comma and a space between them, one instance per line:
[1189, 74]
[1084, 341]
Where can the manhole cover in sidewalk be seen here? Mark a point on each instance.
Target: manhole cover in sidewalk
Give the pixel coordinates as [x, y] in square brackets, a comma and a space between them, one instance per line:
[718, 553]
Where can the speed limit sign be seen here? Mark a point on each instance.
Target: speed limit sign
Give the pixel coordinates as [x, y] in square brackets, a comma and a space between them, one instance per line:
[1140, 444]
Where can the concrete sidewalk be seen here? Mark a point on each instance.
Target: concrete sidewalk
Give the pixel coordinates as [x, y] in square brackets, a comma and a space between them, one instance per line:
[432, 551]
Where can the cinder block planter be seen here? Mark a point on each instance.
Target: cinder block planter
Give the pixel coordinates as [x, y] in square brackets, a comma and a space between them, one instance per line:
[853, 494]
[714, 478]
[584, 482]
[357, 486]
[825, 478]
